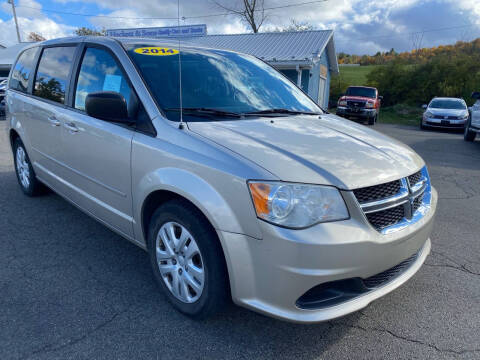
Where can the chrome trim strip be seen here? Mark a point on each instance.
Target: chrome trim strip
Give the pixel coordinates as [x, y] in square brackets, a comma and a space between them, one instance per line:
[388, 203]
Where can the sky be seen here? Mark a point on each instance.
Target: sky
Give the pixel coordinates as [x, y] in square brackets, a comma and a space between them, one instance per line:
[361, 26]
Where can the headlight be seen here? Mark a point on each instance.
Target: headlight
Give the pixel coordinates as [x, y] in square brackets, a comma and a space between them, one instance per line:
[342, 103]
[428, 114]
[464, 117]
[297, 205]
[370, 105]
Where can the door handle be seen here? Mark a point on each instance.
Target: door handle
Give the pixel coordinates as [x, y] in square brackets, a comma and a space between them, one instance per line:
[71, 126]
[54, 121]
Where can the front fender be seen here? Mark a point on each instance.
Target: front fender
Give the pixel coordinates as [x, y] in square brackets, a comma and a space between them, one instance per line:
[193, 188]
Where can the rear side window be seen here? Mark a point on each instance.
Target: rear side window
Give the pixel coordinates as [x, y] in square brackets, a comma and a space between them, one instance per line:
[53, 71]
[22, 70]
[100, 72]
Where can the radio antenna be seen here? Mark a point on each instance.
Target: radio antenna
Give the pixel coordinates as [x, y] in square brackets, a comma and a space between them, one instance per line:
[181, 125]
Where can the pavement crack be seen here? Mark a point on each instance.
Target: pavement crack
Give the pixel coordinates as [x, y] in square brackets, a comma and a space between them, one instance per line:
[72, 341]
[460, 268]
[410, 340]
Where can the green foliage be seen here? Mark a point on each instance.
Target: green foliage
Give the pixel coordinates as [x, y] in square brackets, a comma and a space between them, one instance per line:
[349, 75]
[416, 56]
[84, 31]
[401, 114]
[443, 75]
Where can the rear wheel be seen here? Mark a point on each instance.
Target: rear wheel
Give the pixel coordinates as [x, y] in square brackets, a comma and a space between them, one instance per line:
[468, 134]
[24, 170]
[187, 259]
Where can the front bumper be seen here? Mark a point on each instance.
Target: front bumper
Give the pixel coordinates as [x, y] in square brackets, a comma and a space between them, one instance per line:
[445, 124]
[362, 113]
[270, 275]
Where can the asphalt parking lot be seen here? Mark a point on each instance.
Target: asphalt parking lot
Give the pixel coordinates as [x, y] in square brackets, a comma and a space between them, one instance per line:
[72, 289]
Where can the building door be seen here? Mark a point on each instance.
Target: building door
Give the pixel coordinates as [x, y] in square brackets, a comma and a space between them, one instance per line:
[321, 91]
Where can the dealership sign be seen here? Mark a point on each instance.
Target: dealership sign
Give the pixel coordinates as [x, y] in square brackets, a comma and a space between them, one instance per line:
[161, 32]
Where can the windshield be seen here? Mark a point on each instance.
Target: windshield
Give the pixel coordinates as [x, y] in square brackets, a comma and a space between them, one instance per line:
[362, 91]
[215, 79]
[448, 104]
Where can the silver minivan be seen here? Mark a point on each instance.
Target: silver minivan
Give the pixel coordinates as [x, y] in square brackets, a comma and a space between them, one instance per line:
[235, 182]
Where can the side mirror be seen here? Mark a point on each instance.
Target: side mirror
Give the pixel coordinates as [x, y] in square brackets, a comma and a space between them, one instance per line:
[424, 106]
[107, 105]
[380, 97]
[476, 95]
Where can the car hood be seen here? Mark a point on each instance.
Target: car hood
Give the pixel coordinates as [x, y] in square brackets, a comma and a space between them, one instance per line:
[318, 150]
[361, 98]
[448, 112]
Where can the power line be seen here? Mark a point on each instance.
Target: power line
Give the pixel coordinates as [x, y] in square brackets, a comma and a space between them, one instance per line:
[166, 18]
[408, 34]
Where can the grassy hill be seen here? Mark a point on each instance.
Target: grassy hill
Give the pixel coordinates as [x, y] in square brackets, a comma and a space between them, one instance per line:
[356, 75]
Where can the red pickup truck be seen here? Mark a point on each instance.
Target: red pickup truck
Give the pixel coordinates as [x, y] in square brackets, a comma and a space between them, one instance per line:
[360, 102]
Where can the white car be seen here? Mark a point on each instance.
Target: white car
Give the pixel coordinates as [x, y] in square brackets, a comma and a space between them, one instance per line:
[444, 112]
[472, 127]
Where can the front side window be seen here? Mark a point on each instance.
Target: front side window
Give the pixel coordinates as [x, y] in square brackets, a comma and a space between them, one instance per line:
[22, 70]
[100, 72]
[215, 79]
[53, 73]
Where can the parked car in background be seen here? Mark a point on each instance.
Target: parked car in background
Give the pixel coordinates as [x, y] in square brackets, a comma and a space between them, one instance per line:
[360, 102]
[3, 87]
[472, 127]
[445, 112]
[245, 191]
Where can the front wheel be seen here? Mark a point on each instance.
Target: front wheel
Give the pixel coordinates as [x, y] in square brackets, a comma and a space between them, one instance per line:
[468, 134]
[372, 121]
[187, 259]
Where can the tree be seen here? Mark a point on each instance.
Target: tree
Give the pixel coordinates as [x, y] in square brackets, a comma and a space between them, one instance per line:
[296, 26]
[35, 37]
[251, 12]
[84, 31]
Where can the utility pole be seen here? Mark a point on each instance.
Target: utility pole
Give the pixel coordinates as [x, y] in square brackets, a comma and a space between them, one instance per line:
[15, 17]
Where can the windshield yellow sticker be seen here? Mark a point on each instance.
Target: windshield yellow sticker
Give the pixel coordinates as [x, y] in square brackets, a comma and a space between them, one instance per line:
[156, 51]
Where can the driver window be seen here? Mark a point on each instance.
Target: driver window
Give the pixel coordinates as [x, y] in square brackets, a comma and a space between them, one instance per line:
[100, 72]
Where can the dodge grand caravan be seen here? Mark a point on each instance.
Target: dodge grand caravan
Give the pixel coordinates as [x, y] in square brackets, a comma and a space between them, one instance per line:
[241, 188]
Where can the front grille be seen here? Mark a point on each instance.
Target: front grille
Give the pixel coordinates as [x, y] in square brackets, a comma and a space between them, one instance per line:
[443, 117]
[385, 218]
[384, 277]
[415, 178]
[357, 104]
[392, 206]
[377, 192]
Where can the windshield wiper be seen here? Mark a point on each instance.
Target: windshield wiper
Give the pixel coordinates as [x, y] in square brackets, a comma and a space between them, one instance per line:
[206, 111]
[282, 111]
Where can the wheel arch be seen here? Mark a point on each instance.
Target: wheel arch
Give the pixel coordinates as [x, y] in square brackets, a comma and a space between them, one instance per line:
[173, 183]
[13, 135]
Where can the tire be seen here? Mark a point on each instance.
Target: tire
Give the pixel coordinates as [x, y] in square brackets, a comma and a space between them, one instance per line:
[372, 121]
[469, 135]
[25, 174]
[422, 127]
[206, 270]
